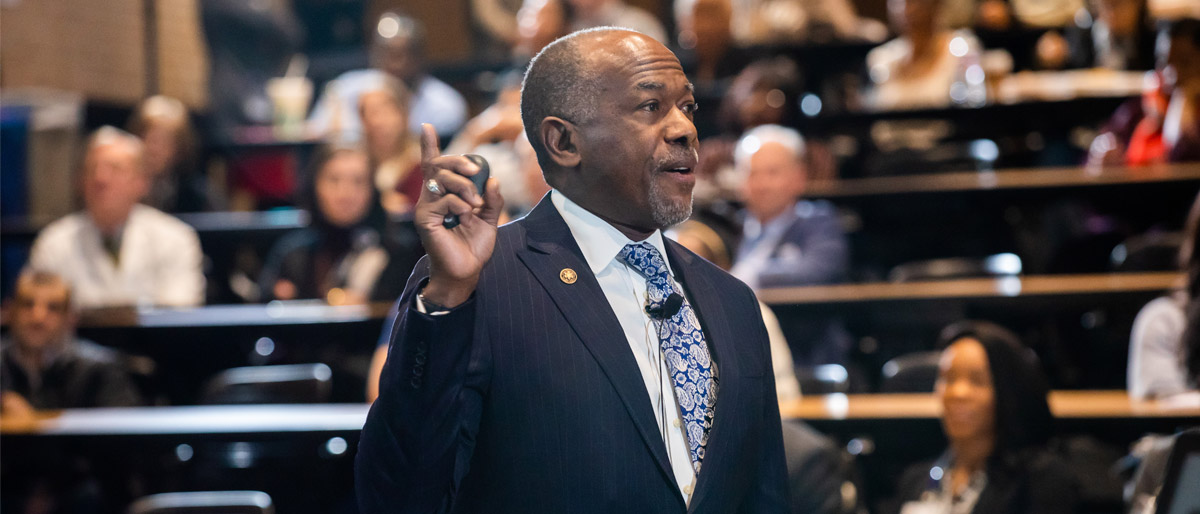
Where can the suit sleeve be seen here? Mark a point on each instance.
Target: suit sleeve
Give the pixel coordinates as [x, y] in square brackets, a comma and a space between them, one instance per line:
[815, 252]
[420, 431]
[770, 492]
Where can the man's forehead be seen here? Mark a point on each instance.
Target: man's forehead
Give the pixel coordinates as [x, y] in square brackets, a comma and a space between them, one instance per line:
[49, 292]
[643, 60]
[118, 149]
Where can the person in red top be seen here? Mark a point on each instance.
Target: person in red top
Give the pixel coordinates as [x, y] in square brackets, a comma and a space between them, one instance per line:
[1165, 125]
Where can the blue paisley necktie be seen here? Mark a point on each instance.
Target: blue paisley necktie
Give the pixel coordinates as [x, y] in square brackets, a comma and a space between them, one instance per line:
[683, 347]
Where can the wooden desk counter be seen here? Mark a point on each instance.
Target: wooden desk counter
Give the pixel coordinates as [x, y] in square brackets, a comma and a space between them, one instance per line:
[343, 418]
[1012, 179]
[1072, 405]
[1007, 287]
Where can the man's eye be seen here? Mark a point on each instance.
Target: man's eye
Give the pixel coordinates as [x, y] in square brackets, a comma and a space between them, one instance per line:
[691, 108]
[650, 106]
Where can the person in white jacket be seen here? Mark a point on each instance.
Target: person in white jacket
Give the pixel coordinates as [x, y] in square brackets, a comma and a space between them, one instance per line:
[117, 252]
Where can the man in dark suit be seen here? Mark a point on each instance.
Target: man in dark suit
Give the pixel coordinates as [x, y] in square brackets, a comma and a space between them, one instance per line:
[575, 360]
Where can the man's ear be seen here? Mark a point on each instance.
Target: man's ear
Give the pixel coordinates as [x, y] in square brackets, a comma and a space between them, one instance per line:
[560, 137]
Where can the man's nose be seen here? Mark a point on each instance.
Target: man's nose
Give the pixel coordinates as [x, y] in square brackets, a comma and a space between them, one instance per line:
[38, 314]
[680, 129]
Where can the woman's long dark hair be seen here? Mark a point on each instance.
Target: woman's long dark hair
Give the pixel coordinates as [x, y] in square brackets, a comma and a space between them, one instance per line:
[306, 196]
[1189, 261]
[1023, 418]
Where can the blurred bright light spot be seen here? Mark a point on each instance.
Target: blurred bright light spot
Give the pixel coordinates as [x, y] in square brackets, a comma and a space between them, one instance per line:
[974, 74]
[336, 446]
[810, 105]
[985, 150]
[958, 46]
[388, 27]
[184, 452]
[936, 473]
[264, 346]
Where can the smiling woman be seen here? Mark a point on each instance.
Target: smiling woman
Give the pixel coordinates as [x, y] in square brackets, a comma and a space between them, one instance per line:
[997, 420]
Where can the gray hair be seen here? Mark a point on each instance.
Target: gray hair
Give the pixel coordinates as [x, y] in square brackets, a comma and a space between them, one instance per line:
[754, 138]
[110, 135]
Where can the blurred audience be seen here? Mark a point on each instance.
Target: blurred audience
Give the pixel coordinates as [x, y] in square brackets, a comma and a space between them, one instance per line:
[393, 148]
[534, 182]
[340, 257]
[1045, 13]
[43, 365]
[172, 159]
[1113, 34]
[1164, 348]
[498, 135]
[786, 241]
[772, 22]
[997, 419]
[764, 92]
[701, 239]
[920, 67]
[819, 472]
[539, 23]
[398, 50]
[117, 251]
[704, 35]
[1164, 126]
[586, 14]
[1121, 37]
[248, 44]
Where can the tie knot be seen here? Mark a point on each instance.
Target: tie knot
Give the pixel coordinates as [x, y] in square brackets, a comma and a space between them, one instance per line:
[645, 258]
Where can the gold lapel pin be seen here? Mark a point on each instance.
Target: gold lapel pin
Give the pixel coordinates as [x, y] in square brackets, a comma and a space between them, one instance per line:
[568, 276]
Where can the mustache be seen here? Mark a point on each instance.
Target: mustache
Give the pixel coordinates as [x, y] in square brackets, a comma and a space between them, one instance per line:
[689, 156]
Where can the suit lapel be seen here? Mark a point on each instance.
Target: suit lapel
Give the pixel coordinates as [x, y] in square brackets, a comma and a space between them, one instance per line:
[550, 249]
[703, 297]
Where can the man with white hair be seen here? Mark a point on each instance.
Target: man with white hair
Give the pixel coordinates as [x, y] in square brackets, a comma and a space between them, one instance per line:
[786, 241]
[116, 251]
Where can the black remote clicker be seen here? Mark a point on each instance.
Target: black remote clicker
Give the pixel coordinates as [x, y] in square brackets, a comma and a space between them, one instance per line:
[479, 179]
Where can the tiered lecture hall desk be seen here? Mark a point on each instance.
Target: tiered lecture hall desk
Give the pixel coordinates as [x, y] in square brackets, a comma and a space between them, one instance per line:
[1075, 311]
[303, 454]
[190, 345]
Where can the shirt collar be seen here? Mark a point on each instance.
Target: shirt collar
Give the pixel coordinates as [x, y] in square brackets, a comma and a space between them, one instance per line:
[599, 241]
[752, 228]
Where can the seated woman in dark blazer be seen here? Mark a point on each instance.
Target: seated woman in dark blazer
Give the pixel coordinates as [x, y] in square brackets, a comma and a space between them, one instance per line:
[342, 256]
[997, 420]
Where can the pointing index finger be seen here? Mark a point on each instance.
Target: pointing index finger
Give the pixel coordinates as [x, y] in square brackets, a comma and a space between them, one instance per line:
[429, 149]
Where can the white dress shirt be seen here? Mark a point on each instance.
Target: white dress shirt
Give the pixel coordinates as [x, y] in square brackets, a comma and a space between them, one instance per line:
[336, 112]
[625, 290]
[759, 242]
[1155, 366]
[160, 260]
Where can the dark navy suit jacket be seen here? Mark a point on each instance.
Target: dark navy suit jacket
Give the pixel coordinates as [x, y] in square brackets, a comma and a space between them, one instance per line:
[527, 398]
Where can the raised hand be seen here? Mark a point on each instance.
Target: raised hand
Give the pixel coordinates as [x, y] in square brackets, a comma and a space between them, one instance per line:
[456, 256]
